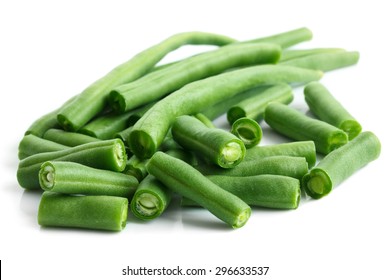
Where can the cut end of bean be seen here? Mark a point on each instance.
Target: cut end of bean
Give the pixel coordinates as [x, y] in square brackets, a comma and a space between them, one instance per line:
[242, 218]
[47, 176]
[248, 130]
[352, 128]
[317, 183]
[336, 140]
[234, 114]
[117, 102]
[146, 205]
[125, 210]
[65, 123]
[232, 154]
[120, 155]
[141, 144]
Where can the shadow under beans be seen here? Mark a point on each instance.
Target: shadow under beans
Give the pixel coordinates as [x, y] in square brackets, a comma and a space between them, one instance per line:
[201, 218]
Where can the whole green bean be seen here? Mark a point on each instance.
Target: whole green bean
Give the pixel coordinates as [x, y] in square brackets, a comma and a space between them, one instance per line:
[254, 107]
[107, 154]
[248, 131]
[292, 54]
[92, 100]
[323, 104]
[74, 178]
[341, 164]
[270, 191]
[151, 129]
[214, 144]
[304, 149]
[294, 124]
[90, 212]
[290, 166]
[151, 199]
[31, 145]
[67, 138]
[158, 84]
[325, 61]
[182, 178]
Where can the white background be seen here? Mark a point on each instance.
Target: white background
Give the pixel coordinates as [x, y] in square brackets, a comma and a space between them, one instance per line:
[51, 51]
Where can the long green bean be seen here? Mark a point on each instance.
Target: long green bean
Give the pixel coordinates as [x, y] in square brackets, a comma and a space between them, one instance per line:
[67, 138]
[31, 145]
[292, 54]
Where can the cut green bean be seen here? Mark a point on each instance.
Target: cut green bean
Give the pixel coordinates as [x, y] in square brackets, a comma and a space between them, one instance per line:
[89, 212]
[75, 178]
[205, 120]
[254, 107]
[292, 54]
[31, 145]
[294, 124]
[92, 100]
[270, 191]
[325, 61]
[214, 144]
[136, 168]
[341, 164]
[124, 134]
[67, 138]
[304, 149]
[323, 104]
[182, 178]
[248, 130]
[151, 199]
[151, 129]
[295, 167]
[107, 154]
[158, 84]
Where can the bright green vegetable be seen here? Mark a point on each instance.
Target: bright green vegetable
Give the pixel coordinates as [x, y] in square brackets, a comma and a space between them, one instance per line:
[92, 100]
[158, 84]
[67, 138]
[248, 130]
[325, 61]
[214, 144]
[304, 149]
[294, 167]
[136, 168]
[151, 199]
[322, 103]
[341, 164]
[254, 107]
[294, 124]
[271, 191]
[182, 178]
[205, 120]
[292, 54]
[149, 132]
[90, 212]
[31, 145]
[75, 178]
[107, 154]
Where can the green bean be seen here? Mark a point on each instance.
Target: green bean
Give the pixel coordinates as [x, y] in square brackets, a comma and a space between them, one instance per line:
[90, 212]
[67, 138]
[150, 130]
[295, 167]
[254, 107]
[323, 104]
[183, 155]
[286, 39]
[158, 84]
[92, 100]
[294, 124]
[124, 134]
[107, 154]
[136, 168]
[325, 61]
[292, 54]
[205, 120]
[182, 178]
[214, 144]
[341, 164]
[31, 145]
[74, 178]
[304, 149]
[248, 130]
[151, 199]
[270, 191]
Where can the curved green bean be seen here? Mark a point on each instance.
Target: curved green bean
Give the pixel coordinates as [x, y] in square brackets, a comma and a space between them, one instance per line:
[248, 131]
[151, 129]
[323, 104]
[75, 178]
[292, 54]
[294, 124]
[90, 212]
[341, 164]
[92, 100]
[31, 145]
[67, 138]
[182, 178]
[151, 199]
[214, 144]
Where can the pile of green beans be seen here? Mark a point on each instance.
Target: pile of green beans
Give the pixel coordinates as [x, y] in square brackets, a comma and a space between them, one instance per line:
[145, 134]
